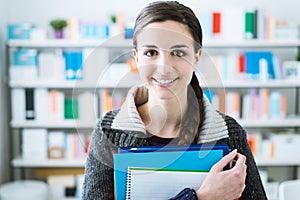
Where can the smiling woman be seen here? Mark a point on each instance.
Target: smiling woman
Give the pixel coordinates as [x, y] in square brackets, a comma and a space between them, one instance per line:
[170, 108]
[166, 67]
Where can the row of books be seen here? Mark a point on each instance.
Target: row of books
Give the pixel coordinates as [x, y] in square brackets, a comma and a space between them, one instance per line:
[42, 144]
[65, 186]
[77, 28]
[100, 29]
[272, 146]
[63, 64]
[52, 105]
[248, 24]
[29, 64]
[255, 104]
[249, 65]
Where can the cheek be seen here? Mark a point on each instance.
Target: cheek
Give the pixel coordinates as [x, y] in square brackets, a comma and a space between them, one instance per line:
[186, 66]
[145, 71]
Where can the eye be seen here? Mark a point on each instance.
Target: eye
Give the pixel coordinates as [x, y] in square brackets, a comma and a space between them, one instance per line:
[151, 53]
[178, 53]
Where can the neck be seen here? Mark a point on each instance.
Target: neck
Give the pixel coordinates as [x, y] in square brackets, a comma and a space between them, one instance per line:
[163, 117]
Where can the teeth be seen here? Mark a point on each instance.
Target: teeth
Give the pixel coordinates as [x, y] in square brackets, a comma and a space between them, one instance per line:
[165, 81]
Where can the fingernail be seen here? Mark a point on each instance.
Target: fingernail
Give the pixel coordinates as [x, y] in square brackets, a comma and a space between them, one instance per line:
[234, 151]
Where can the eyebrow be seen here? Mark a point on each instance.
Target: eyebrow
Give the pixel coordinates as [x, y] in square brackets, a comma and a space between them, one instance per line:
[172, 47]
[179, 46]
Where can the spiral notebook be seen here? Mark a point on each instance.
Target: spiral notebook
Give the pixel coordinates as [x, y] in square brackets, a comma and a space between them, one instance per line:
[160, 184]
[189, 158]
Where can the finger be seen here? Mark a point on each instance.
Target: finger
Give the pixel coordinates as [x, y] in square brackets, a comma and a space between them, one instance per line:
[219, 166]
[240, 161]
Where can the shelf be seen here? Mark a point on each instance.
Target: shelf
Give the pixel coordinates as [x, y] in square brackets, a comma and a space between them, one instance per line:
[85, 85]
[255, 43]
[254, 84]
[49, 163]
[53, 124]
[270, 163]
[270, 123]
[259, 123]
[19, 162]
[72, 84]
[120, 42]
[115, 42]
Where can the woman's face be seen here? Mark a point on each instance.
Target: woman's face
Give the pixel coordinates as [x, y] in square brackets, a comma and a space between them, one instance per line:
[166, 58]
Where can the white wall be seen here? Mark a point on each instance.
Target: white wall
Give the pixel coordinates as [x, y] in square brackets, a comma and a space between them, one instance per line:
[4, 134]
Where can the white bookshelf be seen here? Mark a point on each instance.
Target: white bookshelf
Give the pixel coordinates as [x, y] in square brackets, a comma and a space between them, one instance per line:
[270, 123]
[254, 84]
[117, 42]
[73, 84]
[53, 124]
[265, 123]
[49, 163]
[255, 43]
[120, 43]
[19, 162]
[278, 163]
[90, 85]
[114, 42]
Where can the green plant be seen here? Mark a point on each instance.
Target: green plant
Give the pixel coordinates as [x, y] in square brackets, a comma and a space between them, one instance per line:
[58, 24]
[298, 55]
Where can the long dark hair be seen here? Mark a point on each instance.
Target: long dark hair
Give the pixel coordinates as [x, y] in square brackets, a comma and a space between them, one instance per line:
[161, 11]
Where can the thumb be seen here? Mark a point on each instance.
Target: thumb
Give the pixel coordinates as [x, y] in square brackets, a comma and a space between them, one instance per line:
[219, 166]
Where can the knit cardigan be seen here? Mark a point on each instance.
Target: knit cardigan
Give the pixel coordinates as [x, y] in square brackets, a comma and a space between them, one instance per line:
[124, 127]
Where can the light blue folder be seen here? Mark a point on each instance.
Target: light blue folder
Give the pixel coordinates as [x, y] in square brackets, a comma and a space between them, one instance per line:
[194, 157]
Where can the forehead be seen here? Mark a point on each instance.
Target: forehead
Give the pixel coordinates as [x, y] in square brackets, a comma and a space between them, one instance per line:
[164, 35]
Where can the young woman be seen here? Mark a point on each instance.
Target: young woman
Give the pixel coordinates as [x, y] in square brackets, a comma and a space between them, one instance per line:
[169, 108]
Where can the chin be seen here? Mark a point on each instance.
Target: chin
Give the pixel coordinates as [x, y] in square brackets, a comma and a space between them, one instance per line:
[163, 93]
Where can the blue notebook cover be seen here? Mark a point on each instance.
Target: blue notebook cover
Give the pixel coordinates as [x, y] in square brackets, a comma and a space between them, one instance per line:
[202, 157]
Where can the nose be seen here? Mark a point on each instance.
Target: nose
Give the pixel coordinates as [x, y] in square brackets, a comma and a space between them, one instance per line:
[164, 64]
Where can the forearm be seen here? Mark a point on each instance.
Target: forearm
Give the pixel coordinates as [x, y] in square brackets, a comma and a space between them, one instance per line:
[98, 182]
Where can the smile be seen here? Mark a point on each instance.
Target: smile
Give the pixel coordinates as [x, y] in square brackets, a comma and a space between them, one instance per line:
[164, 82]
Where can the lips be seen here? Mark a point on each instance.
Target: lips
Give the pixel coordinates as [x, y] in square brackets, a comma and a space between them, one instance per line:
[164, 82]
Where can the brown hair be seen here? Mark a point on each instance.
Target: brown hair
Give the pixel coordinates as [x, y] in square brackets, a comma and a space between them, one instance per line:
[161, 11]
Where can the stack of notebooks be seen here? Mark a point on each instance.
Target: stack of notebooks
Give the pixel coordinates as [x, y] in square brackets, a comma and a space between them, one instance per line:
[162, 172]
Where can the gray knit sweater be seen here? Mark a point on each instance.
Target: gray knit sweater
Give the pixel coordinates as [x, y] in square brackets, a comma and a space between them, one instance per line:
[124, 127]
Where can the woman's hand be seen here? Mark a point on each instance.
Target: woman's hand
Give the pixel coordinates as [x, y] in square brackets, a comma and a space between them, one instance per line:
[225, 184]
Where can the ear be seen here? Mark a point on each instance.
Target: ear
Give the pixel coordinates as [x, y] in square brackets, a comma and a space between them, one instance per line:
[197, 56]
[134, 53]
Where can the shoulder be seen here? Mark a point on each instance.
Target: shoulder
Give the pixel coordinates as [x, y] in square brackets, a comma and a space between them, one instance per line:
[233, 126]
[107, 119]
[117, 135]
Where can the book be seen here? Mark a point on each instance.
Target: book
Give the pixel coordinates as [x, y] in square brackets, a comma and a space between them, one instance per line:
[71, 108]
[56, 105]
[41, 104]
[34, 143]
[203, 157]
[29, 104]
[216, 17]
[161, 183]
[250, 25]
[18, 104]
[73, 63]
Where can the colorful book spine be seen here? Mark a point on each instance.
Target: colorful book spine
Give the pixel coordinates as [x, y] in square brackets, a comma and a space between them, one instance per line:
[216, 16]
[29, 104]
[73, 65]
[249, 25]
[71, 108]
